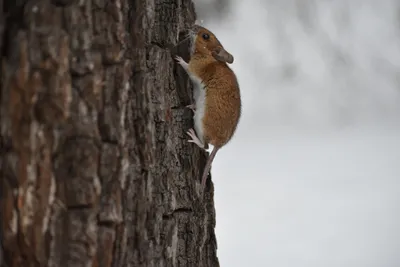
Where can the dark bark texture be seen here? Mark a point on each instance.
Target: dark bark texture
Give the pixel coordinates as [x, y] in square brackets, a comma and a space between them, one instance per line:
[95, 166]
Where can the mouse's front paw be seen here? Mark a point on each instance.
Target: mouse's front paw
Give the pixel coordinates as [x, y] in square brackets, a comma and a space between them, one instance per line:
[180, 60]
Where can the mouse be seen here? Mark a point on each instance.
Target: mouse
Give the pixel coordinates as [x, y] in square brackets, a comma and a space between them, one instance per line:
[217, 105]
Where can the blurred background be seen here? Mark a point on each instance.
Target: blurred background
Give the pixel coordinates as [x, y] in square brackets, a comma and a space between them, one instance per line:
[312, 176]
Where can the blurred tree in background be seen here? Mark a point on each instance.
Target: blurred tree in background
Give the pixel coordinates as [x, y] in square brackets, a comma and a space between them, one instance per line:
[215, 9]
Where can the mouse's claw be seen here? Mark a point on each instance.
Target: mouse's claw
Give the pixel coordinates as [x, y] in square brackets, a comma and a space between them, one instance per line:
[182, 62]
[192, 107]
[179, 60]
[194, 139]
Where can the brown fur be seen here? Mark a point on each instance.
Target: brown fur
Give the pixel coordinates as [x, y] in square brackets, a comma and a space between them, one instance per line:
[223, 105]
[222, 108]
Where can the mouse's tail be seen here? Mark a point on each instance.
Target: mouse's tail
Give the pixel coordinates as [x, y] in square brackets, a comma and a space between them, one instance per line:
[207, 169]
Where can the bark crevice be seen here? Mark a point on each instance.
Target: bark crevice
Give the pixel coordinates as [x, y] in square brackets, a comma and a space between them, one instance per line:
[95, 167]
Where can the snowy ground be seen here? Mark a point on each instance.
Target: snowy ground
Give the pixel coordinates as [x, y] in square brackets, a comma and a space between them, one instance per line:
[312, 177]
[331, 200]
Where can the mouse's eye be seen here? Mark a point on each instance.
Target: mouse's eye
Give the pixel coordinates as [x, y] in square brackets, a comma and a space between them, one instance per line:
[206, 36]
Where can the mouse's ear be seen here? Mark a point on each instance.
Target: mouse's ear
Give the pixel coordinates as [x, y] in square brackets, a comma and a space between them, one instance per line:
[221, 54]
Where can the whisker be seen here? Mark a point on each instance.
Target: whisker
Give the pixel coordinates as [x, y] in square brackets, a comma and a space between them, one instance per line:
[187, 37]
[189, 33]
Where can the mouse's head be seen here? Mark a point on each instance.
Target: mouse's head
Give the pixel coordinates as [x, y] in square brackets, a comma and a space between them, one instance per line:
[205, 42]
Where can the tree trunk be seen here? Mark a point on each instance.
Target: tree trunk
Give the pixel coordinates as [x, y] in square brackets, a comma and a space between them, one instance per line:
[95, 166]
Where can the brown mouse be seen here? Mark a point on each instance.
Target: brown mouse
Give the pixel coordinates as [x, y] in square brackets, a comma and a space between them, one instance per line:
[217, 106]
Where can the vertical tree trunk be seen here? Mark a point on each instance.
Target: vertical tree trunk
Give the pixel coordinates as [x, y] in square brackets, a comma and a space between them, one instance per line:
[95, 167]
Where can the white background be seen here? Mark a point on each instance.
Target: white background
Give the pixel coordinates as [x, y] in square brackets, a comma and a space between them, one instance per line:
[312, 176]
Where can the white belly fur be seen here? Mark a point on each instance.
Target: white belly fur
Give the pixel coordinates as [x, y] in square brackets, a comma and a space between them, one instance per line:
[199, 98]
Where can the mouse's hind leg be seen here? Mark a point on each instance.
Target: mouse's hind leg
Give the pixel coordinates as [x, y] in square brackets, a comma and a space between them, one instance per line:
[195, 139]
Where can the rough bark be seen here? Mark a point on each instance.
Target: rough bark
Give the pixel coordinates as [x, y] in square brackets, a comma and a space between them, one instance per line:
[95, 167]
